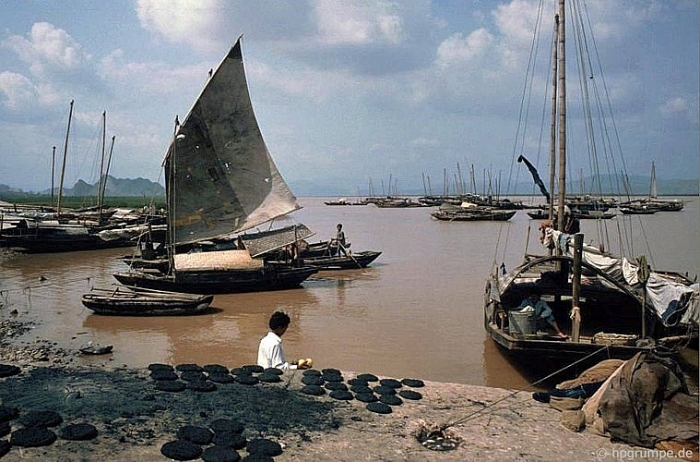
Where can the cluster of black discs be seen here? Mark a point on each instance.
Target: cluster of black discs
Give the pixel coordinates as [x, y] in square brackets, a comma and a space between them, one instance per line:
[378, 394]
[220, 441]
[223, 438]
[35, 429]
[205, 378]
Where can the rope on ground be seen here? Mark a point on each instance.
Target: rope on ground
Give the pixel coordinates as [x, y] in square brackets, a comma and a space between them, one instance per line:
[510, 395]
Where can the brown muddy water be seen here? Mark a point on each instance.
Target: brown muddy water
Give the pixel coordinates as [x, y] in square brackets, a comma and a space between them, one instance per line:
[415, 312]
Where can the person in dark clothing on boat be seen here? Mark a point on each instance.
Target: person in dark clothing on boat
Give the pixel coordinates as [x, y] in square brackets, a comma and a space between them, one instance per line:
[543, 312]
[271, 352]
[340, 239]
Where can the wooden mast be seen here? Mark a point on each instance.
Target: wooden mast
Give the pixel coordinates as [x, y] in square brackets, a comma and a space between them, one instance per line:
[63, 168]
[562, 116]
[553, 125]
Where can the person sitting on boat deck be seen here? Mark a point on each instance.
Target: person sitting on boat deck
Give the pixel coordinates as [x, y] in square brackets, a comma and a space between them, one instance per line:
[270, 351]
[542, 311]
[340, 240]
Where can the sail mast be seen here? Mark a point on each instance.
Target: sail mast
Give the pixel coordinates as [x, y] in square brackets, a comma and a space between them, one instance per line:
[102, 165]
[63, 168]
[562, 116]
[553, 125]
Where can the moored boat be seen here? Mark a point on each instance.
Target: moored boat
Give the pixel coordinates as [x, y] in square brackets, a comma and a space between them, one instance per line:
[135, 301]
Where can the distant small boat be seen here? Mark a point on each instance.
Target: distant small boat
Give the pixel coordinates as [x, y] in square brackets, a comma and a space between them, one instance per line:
[345, 201]
[471, 212]
[133, 301]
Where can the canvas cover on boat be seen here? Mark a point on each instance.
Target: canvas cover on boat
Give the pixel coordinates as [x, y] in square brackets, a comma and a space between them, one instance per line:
[216, 260]
[265, 241]
[220, 177]
[673, 302]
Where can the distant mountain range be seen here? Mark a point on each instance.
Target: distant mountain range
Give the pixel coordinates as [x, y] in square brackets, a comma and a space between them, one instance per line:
[116, 187]
[141, 187]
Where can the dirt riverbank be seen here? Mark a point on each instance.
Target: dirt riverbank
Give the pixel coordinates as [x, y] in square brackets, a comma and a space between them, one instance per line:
[135, 418]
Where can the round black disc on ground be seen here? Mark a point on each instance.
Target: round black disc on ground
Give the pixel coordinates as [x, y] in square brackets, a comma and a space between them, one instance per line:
[32, 437]
[273, 370]
[366, 397]
[4, 447]
[254, 368]
[160, 367]
[384, 390]
[336, 386]
[269, 377]
[79, 432]
[308, 372]
[198, 435]
[181, 450]
[8, 370]
[410, 394]
[342, 395]
[8, 413]
[393, 383]
[41, 419]
[163, 374]
[368, 377]
[215, 368]
[357, 381]
[202, 385]
[219, 377]
[189, 368]
[414, 383]
[330, 370]
[360, 389]
[170, 385]
[314, 390]
[240, 371]
[226, 425]
[391, 400]
[379, 408]
[264, 446]
[312, 380]
[220, 454]
[247, 379]
[193, 376]
[332, 377]
[229, 439]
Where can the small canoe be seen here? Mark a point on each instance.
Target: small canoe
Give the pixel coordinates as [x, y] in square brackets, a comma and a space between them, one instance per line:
[350, 261]
[134, 301]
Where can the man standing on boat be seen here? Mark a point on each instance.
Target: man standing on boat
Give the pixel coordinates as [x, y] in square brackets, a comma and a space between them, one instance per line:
[340, 240]
[271, 352]
[542, 311]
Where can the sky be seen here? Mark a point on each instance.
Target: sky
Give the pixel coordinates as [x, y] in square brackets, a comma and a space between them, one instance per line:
[348, 94]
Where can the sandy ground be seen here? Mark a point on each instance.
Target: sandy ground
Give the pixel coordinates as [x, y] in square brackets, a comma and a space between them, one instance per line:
[134, 419]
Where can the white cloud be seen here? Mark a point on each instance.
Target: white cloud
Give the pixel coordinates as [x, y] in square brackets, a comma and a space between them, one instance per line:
[195, 23]
[17, 89]
[356, 23]
[674, 107]
[458, 49]
[47, 48]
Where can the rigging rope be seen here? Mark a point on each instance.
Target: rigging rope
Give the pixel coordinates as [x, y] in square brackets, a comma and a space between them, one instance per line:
[510, 395]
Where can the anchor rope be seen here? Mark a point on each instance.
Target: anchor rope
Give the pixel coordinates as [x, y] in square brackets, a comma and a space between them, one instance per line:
[510, 395]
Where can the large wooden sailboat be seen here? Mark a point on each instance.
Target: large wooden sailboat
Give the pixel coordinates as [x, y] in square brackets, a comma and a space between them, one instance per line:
[221, 182]
[606, 304]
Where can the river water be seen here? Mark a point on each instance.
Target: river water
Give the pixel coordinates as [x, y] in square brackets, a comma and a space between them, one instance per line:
[415, 312]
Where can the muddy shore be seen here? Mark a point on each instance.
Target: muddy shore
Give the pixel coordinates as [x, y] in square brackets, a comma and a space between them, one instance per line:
[134, 419]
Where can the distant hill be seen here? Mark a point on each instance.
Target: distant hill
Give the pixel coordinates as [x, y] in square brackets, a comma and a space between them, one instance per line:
[116, 187]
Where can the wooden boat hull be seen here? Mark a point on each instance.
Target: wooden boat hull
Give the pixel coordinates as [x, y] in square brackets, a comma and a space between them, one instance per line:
[339, 262]
[136, 302]
[494, 215]
[57, 239]
[271, 277]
